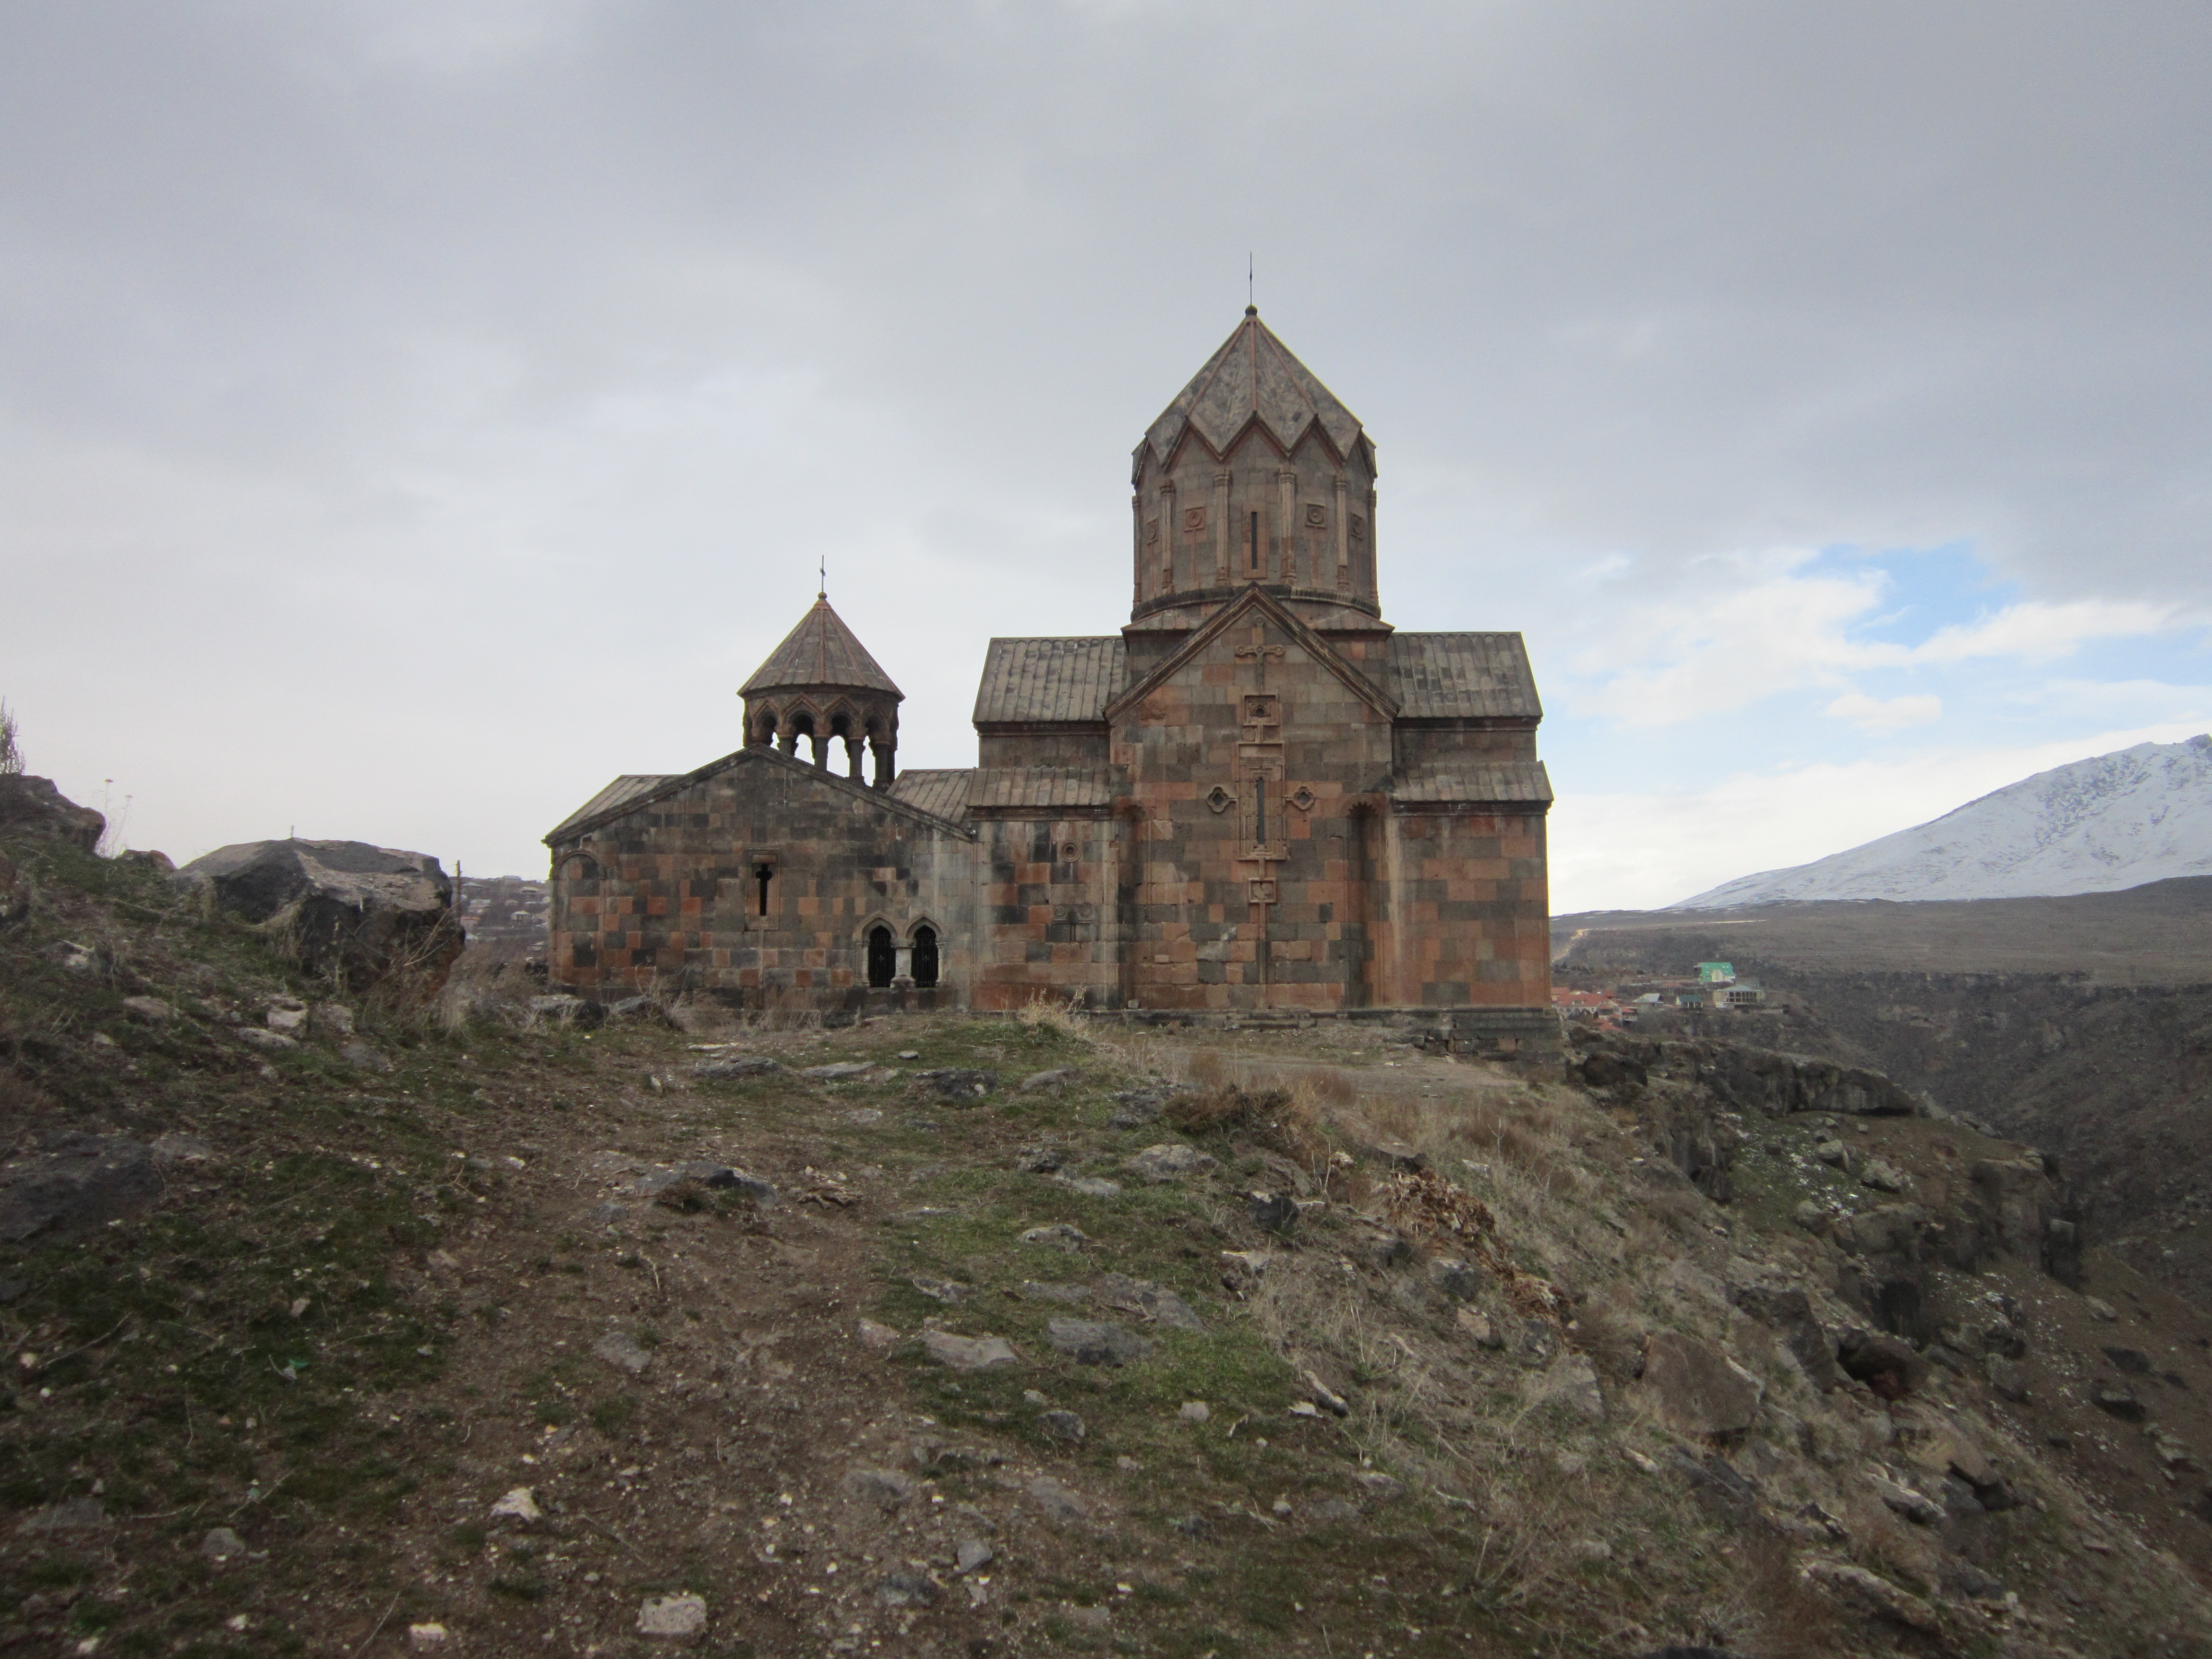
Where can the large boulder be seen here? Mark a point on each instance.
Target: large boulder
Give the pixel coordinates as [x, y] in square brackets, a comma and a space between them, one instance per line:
[354, 912]
[76, 1183]
[1695, 1390]
[33, 807]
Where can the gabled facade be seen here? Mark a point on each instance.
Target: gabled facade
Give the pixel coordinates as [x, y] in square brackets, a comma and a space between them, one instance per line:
[1257, 796]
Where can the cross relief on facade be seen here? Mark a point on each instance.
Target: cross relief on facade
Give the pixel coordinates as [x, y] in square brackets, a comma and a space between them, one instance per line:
[1259, 771]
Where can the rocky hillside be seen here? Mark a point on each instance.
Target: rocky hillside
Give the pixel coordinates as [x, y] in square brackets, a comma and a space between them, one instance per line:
[356, 1326]
[2083, 1025]
[2099, 825]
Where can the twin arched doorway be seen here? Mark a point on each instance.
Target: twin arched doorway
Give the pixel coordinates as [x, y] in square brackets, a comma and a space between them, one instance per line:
[884, 957]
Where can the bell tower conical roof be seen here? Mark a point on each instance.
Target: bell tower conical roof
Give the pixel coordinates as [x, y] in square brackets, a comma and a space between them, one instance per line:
[822, 651]
[1253, 376]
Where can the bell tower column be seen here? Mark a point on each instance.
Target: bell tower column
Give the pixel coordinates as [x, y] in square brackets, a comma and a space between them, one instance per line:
[1221, 577]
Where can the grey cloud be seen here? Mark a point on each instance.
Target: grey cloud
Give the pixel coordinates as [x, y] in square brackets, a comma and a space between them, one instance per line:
[330, 301]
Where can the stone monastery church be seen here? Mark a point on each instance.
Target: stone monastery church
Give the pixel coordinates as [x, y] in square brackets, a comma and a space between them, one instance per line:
[1256, 795]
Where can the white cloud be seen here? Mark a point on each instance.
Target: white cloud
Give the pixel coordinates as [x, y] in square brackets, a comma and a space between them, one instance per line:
[1878, 715]
[1639, 851]
[2037, 632]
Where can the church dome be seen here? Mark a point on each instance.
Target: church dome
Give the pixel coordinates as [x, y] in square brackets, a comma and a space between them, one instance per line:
[1253, 377]
[1256, 474]
[821, 684]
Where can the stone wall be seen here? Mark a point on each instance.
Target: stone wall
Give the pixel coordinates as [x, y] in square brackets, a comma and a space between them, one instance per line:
[669, 895]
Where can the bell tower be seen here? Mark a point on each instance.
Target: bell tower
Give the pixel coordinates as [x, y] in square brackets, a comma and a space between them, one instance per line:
[822, 686]
[1254, 474]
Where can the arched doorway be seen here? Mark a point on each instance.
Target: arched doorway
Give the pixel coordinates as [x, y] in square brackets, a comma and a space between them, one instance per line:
[883, 955]
[925, 956]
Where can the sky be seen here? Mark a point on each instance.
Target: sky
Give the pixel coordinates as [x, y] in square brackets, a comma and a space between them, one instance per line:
[414, 414]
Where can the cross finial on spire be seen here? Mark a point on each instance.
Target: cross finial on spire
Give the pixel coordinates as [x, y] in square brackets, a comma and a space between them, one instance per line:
[822, 583]
[1251, 298]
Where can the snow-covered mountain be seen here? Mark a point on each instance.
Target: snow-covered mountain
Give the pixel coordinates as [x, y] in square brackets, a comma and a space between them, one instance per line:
[2118, 820]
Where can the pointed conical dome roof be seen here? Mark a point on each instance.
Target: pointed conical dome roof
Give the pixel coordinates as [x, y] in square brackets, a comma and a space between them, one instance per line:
[820, 651]
[1254, 375]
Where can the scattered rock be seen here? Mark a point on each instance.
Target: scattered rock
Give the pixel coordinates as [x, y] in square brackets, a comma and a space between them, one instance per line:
[1061, 1425]
[1058, 1237]
[1969, 1582]
[1272, 1213]
[957, 1085]
[1461, 1280]
[1378, 1487]
[1168, 1160]
[1033, 1291]
[1789, 1311]
[886, 1488]
[1331, 1511]
[941, 1290]
[1379, 1248]
[620, 1350]
[288, 1021]
[1833, 1152]
[1141, 1296]
[1907, 1501]
[877, 1336]
[2007, 1380]
[32, 806]
[269, 1042]
[1056, 1502]
[1884, 1176]
[221, 1544]
[971, 1553]
[672, 1615]
[1695, 1390]
[743, 1066]
[1194, 1410]
[427, 1638]
[2132, 1361]
[519, 1505]
[362, 1058]
[1135, 1108]
[721, 1177]
[332, 1020]
[1053, 1082]
[1326, 1397]
[70, 1515]
[81, 1181]
[1869, 1594]
[148, 1011]
[1811, 1215]
[838, 1070]
[1194, 1526]
[1090, 1342]
[968, 1354]
[1888, 1364]
[1044, 1159]
[562, 1009]
[2117, 1401]
[1477, 1325]
[1094, 1186]
[1573, 1382]
[181, 1148]
[905, 1589]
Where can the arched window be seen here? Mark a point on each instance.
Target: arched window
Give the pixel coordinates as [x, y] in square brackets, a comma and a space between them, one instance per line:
[925, 956]
[883, 955]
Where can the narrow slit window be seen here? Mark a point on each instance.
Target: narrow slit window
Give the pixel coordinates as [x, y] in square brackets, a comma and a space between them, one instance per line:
[1255, 541]
[764, 874]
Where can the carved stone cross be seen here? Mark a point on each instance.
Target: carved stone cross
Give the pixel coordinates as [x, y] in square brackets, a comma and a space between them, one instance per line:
[1257, 653]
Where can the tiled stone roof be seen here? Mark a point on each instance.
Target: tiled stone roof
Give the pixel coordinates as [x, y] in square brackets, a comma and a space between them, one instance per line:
[1027, 786]
[627, 787]
[820, 651]
[1477, 783]
[1254, 375]
[942, 794]
[1462, 677]
[1031, 681]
